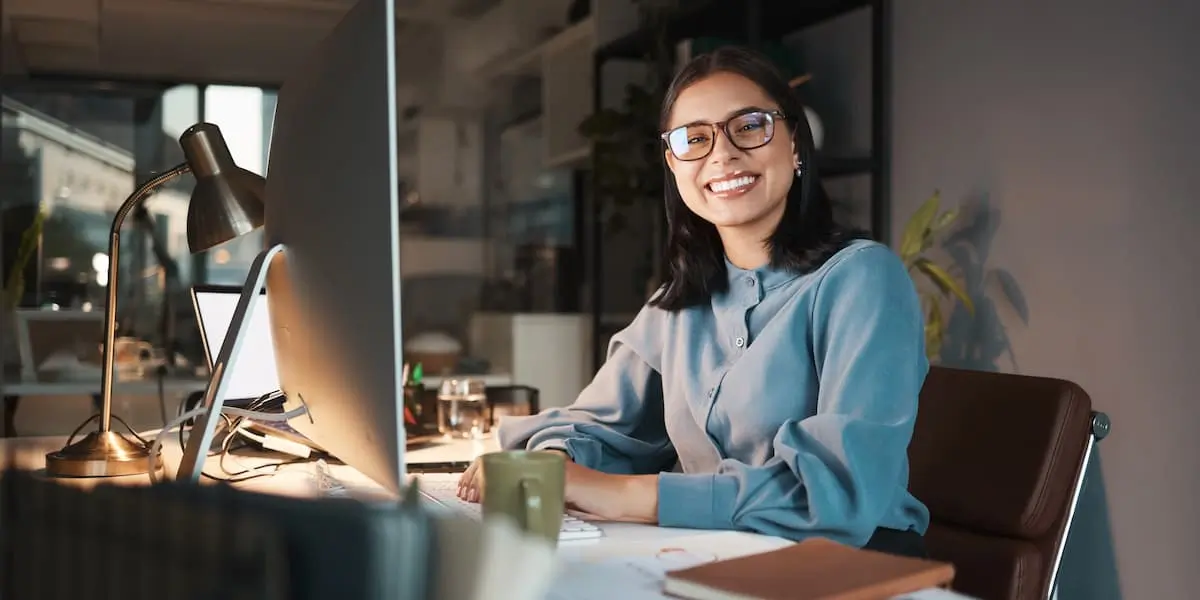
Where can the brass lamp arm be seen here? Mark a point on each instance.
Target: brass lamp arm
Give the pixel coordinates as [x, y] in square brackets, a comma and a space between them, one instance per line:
[110, 308]
[227, 202]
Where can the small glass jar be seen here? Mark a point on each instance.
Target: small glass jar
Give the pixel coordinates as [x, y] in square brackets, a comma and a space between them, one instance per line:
[462, 408]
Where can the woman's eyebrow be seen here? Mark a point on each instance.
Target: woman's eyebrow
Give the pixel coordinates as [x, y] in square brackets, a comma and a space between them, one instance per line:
[730, 115]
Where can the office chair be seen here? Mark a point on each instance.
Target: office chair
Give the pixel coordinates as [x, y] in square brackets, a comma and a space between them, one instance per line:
[1000, 460]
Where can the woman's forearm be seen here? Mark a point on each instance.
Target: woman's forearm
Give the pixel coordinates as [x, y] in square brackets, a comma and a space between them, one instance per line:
[641, 498]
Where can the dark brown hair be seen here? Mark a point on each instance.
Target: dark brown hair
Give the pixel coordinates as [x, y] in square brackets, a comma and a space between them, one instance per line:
[806, 236]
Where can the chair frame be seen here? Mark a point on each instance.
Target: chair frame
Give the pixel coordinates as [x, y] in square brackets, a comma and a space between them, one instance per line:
[1101, 425]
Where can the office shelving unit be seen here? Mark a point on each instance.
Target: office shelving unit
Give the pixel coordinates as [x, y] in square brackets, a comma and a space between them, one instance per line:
[763, 21]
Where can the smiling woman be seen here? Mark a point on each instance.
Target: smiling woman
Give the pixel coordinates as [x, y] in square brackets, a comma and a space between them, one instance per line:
[772, 384]
[740, 152]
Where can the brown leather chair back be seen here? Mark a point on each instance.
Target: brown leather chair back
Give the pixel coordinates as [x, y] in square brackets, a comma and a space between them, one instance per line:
[999, 459]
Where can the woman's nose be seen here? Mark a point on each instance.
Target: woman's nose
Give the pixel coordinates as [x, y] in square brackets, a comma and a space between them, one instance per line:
[723, 149]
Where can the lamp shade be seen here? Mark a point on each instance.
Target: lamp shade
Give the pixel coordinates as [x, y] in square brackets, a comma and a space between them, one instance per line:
[228, 200]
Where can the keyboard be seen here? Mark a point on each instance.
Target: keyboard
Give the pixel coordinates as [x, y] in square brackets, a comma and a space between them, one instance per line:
[442, 488]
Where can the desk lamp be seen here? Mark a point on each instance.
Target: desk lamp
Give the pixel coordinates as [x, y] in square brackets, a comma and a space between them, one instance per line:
[227, 202]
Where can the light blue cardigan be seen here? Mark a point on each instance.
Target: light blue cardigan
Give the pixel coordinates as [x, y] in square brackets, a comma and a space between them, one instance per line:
[788, 402]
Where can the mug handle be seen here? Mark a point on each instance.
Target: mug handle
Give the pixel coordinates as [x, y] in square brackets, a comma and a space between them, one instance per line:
[531, 500]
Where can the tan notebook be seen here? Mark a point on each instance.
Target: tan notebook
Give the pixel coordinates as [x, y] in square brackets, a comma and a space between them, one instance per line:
[816, 569]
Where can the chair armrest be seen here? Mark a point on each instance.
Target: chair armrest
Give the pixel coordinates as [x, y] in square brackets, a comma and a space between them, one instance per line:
[1101, 425]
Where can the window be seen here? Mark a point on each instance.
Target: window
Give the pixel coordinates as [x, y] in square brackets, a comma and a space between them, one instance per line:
[75, 154]
[245, 115]
[72, 158]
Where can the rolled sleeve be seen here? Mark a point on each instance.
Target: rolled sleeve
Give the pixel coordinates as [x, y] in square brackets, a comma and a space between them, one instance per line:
[615, 425]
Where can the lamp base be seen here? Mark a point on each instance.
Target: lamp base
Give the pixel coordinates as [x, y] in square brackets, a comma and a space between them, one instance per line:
[100, 454]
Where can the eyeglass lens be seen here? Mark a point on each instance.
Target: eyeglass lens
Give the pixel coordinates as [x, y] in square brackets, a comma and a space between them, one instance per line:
[746, 132]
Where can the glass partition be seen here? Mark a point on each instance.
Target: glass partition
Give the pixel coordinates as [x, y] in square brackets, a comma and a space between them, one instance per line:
[74, 153]
[245, 116]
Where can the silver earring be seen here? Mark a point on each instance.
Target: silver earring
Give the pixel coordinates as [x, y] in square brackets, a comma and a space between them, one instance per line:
[799, 169]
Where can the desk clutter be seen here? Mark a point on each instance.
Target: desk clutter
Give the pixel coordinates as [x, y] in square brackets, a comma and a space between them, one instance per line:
[462, 407]
[214, 541]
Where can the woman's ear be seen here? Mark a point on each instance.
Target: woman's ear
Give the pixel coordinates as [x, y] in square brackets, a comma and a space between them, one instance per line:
[670, 158]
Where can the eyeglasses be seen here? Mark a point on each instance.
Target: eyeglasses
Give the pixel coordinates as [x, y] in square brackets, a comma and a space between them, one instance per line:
[746, 131]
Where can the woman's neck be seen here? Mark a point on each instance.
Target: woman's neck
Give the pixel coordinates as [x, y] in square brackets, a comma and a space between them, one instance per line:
[745, 251]
[746, 245]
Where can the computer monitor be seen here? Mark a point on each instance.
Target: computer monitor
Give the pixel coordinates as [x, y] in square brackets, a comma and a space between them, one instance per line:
[334, 289]
[333, 202]
[255, 374]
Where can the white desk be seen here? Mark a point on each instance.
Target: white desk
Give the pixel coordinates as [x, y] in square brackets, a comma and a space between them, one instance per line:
[298, 480]
[620, 539]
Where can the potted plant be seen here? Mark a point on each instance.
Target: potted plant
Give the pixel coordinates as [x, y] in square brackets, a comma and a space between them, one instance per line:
[923, 229]
[627, 152]
[14, 287]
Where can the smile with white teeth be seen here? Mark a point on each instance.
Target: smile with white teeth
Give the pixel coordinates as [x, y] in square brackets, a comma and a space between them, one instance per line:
[735, 184]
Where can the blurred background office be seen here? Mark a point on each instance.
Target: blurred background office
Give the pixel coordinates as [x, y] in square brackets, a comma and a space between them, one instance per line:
[531, 189]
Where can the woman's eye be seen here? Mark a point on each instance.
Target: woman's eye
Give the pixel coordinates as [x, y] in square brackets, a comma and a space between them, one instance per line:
[697, 139]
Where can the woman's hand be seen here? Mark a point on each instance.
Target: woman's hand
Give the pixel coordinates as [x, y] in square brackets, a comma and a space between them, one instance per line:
[469, 483]
[631, 498]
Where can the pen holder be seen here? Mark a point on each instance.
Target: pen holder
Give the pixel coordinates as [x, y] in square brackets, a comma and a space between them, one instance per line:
[421, 403]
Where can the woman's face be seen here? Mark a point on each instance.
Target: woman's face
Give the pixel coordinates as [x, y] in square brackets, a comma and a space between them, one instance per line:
[732, 188]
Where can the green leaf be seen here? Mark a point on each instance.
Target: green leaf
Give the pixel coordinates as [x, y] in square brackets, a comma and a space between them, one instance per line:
[916, 232]
[935, 329]
[945, 219]
[14, 287]
[945, 282]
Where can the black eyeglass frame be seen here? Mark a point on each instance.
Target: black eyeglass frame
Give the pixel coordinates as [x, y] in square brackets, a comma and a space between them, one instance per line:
[771, 115]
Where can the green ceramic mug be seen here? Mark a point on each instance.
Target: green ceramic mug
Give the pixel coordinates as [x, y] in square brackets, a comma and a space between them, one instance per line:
[527, 487]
